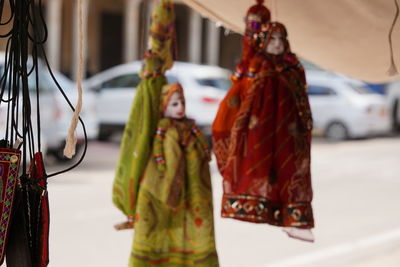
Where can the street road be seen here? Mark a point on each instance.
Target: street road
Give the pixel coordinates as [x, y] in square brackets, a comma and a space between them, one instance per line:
[356, 205]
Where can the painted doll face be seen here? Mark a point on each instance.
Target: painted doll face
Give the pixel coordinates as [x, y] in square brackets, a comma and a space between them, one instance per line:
[176, 107]
[275, 45]
[253, 25]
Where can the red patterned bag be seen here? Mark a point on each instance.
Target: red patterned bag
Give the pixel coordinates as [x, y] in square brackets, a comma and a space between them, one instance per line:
[9, 165]
[41, 221]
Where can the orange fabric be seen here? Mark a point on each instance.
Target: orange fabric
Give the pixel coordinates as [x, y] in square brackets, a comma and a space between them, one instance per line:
[224, 120]
[230, 105]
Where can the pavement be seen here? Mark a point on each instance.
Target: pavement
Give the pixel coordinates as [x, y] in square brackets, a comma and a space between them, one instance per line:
[356, 196]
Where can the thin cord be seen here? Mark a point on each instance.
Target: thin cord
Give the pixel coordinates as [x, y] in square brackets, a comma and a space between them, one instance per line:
[28, 25]
[273, 5]
[9, 19]
[73, 109]
[393, 69]
[36, 69]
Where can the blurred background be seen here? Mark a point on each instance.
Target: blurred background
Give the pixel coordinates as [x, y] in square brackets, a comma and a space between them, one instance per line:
[356, 148]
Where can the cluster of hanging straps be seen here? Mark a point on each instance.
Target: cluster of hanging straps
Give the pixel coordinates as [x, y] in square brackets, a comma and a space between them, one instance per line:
[28, 31]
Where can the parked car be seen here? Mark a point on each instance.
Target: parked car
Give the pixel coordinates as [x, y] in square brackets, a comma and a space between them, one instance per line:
[392, 93]
[204, 86]
[345, 108]
[55, 114]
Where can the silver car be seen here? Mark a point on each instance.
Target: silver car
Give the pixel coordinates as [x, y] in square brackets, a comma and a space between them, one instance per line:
[345, 108]
[205, 87]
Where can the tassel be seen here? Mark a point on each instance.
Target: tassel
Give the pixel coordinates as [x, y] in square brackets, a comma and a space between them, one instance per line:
[70, 145]
[393, 69]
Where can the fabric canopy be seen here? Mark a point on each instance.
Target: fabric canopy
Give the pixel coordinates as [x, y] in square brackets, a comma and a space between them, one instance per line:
[347, 36]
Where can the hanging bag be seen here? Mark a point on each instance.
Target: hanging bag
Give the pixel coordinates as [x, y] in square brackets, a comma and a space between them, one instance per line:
[9, 165]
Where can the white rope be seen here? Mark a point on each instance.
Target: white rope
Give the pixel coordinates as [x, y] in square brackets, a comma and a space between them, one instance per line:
[69, 149]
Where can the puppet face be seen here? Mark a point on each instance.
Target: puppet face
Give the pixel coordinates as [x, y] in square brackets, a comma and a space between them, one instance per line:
[176, 107]
[253, 23]
[275, 46]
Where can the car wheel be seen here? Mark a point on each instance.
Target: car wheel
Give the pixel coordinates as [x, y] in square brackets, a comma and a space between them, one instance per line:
[58, 153]
[336, 131]
[396, 117]
[104, 135]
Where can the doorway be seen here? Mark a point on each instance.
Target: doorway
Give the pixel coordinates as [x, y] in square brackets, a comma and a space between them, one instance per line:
[111, 40]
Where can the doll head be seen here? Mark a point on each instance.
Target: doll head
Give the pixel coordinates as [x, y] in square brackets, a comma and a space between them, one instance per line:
[275, 39]
[257, 16]
[173, 101]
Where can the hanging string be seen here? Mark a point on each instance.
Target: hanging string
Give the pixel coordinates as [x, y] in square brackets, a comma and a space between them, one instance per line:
[393, 69]
[14, 89]
[72, 108]
[69, 149]
[272, 5]
[37, 21]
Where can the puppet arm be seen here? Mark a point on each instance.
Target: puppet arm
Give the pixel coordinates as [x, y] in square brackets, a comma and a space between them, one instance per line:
[158, 148]
[202, 140]
[173, 175]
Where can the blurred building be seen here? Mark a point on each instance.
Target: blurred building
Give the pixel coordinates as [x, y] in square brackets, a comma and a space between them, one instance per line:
[116, 32]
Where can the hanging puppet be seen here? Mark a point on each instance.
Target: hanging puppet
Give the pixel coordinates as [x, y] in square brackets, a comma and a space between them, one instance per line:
[256, 19]
[162, 182]
[174, 215]
[142, 123]
[266, 174]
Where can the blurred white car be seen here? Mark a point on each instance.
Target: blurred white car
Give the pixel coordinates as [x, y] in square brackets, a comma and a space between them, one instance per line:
[345, 108]
[204, 87]
[55, 114]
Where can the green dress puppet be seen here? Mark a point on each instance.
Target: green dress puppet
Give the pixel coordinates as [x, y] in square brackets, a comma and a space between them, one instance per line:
[162, 182]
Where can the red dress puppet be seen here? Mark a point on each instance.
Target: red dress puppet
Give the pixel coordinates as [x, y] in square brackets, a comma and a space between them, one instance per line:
[267, 170]
[257, 18]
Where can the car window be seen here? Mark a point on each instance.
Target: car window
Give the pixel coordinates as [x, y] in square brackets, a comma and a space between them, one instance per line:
[172, 79]
[361, 89]
[320, 90]
[219, 83]
[44, 85]
[122, 81]
[44, 82]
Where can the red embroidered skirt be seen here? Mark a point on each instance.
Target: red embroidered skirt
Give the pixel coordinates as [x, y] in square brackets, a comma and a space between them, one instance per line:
[267, 175]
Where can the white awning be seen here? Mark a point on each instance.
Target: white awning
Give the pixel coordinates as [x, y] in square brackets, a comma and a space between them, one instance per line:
[346, 36]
